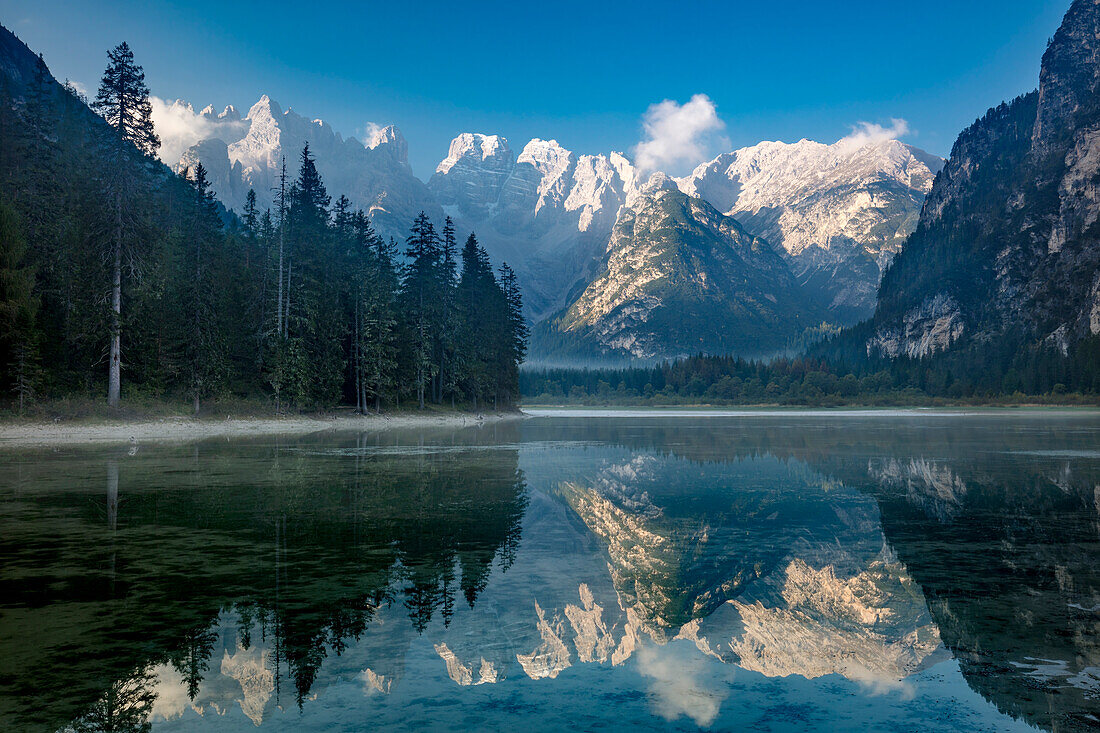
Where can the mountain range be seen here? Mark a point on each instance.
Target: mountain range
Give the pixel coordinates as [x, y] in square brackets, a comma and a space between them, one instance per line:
[756, 246]
[992, 249]
[820, 223]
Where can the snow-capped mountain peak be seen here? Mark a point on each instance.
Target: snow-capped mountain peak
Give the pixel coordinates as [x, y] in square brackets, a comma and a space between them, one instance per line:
[244, 154]
[475, 149]
[840, 212]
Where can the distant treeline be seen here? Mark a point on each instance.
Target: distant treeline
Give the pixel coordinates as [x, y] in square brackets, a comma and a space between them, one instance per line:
[991, 373]
[122, 279]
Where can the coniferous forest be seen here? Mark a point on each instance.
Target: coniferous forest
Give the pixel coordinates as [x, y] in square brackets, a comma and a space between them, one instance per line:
[123, 281]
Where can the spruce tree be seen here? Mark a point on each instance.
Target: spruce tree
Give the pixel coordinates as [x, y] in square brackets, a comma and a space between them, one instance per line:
[251, 216]
[283, 207]
[417, 302]
[123, 100]
[474, 300]
[380, 324]
[18, 305]
[514, 334]
[204, 345]
[314, 287]
[447, 379]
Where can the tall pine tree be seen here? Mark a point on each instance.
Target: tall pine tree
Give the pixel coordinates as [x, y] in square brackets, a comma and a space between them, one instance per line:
[123, 100]
[418, 303]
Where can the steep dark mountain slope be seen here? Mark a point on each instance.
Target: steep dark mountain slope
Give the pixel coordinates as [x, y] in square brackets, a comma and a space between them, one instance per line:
[55, 158]
[1008, 245]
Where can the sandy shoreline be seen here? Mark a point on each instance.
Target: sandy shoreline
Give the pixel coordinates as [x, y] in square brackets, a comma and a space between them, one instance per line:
[182, 429]
[169, 429]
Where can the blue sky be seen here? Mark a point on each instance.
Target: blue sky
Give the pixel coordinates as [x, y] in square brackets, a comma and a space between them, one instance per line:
[583, 73]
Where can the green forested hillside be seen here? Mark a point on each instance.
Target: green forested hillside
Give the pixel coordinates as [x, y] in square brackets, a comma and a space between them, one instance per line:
[301, 306]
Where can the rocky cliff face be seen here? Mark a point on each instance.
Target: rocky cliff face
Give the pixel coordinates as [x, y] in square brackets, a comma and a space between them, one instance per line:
[839, 212]
[1009, 231]
[679, 278]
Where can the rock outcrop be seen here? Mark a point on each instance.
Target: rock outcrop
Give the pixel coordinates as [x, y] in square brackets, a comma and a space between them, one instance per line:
[1009, 234]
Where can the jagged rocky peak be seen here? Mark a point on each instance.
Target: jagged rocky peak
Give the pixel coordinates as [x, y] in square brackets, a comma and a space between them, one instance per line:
[473, 174]
[262, 144]
[601, 184]
[472, 149]
[840, 212]
[546, 155]
[390, 139]
[552, 166]
[1069, 74]
[265, 108]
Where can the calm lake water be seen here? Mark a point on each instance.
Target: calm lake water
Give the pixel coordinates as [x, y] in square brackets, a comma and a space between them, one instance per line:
[891, 572]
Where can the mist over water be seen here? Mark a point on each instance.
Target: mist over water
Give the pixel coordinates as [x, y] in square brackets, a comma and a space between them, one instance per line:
[584, 569]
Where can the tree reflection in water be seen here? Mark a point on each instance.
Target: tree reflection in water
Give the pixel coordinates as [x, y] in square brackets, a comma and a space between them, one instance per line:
[302, 543]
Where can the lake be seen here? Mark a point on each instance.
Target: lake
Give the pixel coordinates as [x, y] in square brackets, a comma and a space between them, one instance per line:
[887, 571]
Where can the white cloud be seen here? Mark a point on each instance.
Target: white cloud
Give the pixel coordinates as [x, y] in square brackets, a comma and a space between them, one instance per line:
[180, 127]
[680, 684]
[369, 131]
[82, 89]
[679, 136]
[869, 133]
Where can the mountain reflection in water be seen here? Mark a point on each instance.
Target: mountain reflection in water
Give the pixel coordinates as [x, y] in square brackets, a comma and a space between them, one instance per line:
[780, 572]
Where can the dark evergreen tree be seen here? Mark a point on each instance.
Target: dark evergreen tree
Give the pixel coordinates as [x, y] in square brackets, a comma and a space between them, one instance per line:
[18, 306]
[314, 310]
[379, 331]
[123, 100]
[251, 214]
[203, 344]
[514, 335]
[418, 305]
[446, 341]
[477, 306]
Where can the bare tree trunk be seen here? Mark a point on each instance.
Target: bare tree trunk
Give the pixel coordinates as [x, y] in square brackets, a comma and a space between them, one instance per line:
[114, 382]
[420, 386]
[195, 376]
[360, 367]
[279, 307]
[286, 311]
